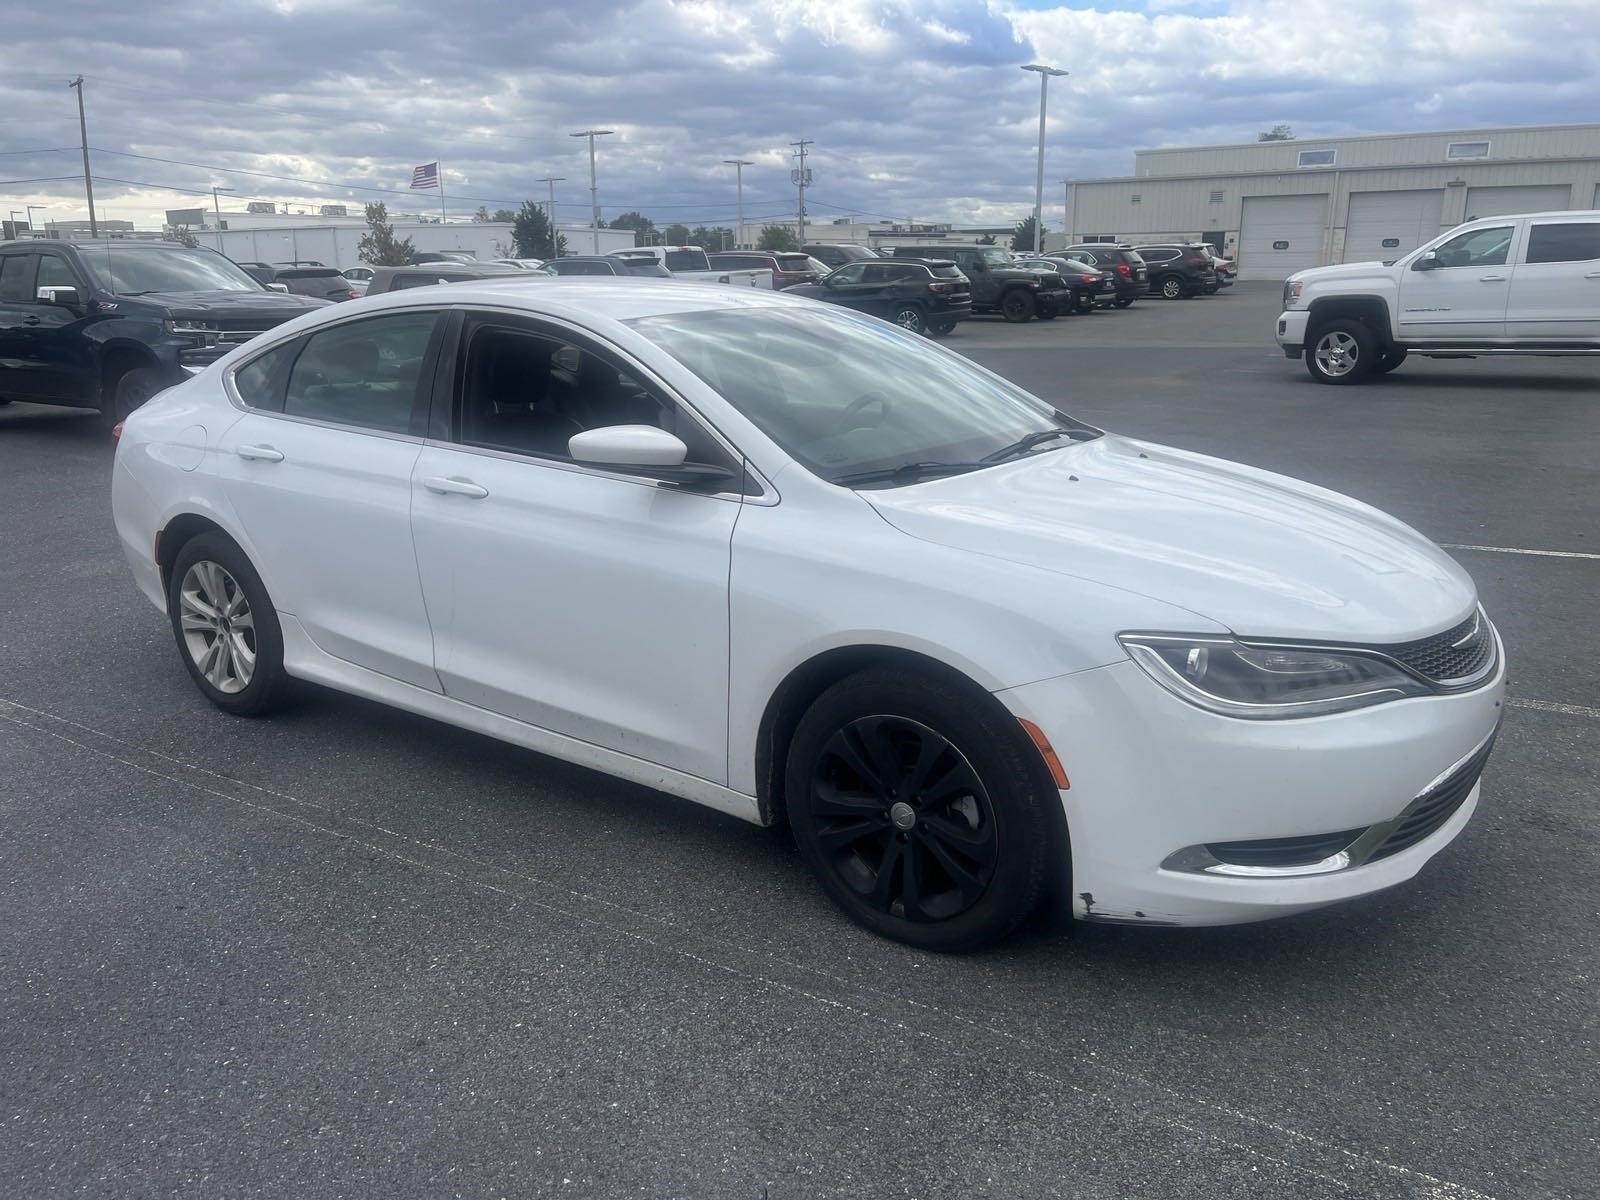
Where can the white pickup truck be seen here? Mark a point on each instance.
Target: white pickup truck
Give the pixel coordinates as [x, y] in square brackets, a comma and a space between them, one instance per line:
[690, 262]
[1527, 284]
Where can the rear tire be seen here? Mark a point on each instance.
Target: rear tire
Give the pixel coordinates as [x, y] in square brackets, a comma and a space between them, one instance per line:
[941, 328]
[1017, 306]
[1171, 288]
[922, 809]
[226, 627]
[1124, 303]
[1341, 352]
[910, 318]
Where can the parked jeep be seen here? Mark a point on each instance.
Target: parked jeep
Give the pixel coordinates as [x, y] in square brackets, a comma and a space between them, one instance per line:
[108, 324]
[1016, 292]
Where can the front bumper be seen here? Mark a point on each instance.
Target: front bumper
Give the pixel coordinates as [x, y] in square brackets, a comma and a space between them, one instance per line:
[1292, 331]
[1152, 775]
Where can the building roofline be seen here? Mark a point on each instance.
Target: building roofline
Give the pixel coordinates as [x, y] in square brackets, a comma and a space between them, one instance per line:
[1456, 163]
[1369, 137]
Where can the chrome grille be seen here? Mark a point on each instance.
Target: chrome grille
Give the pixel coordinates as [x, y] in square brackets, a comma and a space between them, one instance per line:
[1459, 653]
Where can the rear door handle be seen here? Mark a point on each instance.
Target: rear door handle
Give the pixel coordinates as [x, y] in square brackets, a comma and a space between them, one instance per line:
[1491, 278]
[259, 453]
[454, 487]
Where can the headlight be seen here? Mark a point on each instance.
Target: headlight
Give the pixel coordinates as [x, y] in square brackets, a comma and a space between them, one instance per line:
[1291, 292]
[1267, 683]
[181, 326]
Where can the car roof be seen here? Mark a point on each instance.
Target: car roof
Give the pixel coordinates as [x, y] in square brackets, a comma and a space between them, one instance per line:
[596, 298]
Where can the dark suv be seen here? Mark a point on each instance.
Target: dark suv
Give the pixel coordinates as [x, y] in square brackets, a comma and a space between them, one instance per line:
[605, 264]
[1017, 293]
[837, 255]
[926, 296]
[303, 279]
[1178, 269]
[108, 324]
[1127, 269]
[788, 269]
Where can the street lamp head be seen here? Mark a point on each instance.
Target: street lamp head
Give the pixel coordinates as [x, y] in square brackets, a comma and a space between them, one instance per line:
[591, 133]
[738, 162]
[1044, 70]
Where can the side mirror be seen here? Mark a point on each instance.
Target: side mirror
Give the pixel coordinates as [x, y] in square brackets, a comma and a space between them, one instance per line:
[1428, 261]
[66, 297]
[643, 450]
[278, 287]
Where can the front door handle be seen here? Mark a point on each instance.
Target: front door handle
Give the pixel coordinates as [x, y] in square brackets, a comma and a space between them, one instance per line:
[1491, 278]
[454, 487]
[259, 453]
[30, 320]
[1593, 275]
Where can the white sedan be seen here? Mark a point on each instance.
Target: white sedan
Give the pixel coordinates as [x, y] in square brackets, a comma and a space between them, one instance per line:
[798, 565]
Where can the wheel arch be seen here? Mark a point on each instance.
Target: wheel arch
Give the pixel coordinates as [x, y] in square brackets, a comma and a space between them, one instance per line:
[1371, 311]
[178, 531]
[119, 357]
[806, 681]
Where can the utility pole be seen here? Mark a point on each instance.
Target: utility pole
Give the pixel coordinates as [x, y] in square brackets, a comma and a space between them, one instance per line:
[550, 213]
[216, 211]
[738, 165]
[1066, 212]
[1038, 187]
[83, 133]
[33, 229]
[801, 176]
[594, 187]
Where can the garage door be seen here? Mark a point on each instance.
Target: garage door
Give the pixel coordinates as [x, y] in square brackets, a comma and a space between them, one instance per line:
[1280, 235]
[1498, 201]
[1385, 225]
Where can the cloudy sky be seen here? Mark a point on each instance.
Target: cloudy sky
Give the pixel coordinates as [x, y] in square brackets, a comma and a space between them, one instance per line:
[917, 107]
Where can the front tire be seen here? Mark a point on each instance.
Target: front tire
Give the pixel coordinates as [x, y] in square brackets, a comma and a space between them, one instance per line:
[922, 810]
[1124, 303]
[1343, 351]
[132, 390]
[1018, 306]
[1391, 359]
[226, 627]
[1171, 288]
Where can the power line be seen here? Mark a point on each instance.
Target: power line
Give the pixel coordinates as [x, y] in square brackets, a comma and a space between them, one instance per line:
[41, 150]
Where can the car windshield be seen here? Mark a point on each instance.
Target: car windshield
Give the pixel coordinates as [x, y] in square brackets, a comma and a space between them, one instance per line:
[133, 271]
[687, 260]
[996, 258]
[846, 395]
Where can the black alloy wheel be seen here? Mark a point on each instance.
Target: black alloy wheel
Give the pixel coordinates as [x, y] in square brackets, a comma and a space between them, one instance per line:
[904, 819]
[1017, 306]
[923, 810]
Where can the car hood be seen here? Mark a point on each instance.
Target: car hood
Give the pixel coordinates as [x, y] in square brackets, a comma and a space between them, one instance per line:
[230, 306]
[1355, 270]
[815, 290]
[1263, 555]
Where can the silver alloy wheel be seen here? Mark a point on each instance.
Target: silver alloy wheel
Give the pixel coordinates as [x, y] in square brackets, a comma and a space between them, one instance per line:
[219, 631]
[909, 318]
[1172, 288]
[1336, 353]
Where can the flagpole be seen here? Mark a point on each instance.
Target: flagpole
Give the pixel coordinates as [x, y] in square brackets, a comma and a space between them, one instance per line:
[441, 195]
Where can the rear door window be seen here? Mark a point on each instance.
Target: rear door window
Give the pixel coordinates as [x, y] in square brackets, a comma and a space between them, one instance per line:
[260, 381]
[363, 373]
[16, 276]
[1574, 242]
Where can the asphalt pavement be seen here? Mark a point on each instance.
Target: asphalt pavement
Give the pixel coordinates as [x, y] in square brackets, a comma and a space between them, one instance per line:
[345, 951]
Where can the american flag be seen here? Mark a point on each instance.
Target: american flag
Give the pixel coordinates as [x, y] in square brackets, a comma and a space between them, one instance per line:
[425, 176]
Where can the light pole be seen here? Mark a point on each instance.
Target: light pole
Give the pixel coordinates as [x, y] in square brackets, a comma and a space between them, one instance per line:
[32, 228]
[13, 222]
[594, 188]
[88, 183]
[1038, 187]
[550, 213]
[216, 210]
[738, 165]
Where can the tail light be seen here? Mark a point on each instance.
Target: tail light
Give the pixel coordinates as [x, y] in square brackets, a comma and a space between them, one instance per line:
[1124, 269]
[352, 294]
[116, 433]
[1195, 260]
[1090, 278]
[940, 288]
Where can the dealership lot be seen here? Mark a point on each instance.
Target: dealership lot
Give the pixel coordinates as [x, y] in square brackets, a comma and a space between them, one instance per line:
[347, 951]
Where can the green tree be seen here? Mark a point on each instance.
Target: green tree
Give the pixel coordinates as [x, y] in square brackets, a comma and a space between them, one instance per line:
[379, 247]
[777, 237]
[641, 225]
[533, 235]
[1023, 236]
[676, 234]
[481, 217]
[1278, 133]
[986, 240]
[504, 216]
[714, 238]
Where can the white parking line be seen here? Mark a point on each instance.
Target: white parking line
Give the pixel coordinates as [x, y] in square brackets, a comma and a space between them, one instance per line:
[1571, 710]
[1519, 550]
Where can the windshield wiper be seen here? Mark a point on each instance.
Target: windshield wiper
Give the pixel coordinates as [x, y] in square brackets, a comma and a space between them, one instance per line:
[909, 472]
[1023, 445]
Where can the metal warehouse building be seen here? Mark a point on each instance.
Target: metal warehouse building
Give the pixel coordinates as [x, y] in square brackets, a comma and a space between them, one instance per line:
[1278, 207]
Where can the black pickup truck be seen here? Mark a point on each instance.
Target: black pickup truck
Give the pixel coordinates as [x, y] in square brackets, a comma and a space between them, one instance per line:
[108, 324]
[1017, 293]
